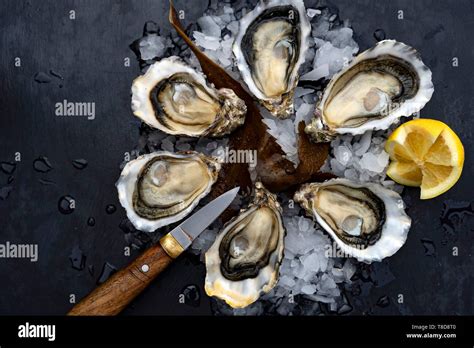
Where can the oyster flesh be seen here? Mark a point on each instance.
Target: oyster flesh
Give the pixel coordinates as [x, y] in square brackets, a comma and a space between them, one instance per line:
[176, 99]
[366, 220]
[269, 50]
[245, 259]
[160, 188]
[378, 87]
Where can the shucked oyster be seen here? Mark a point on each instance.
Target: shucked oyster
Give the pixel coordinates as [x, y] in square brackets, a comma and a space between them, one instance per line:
[270, 48]
[176, 99]
[160, 188]
[381, 85]
[366, 220]
[245, 258]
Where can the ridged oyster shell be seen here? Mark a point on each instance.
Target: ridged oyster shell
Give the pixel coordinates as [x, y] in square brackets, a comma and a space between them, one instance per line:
[269, 50]
[160, 188]
[173, 97]
[348, 215]
[245, 259]
[380, 85]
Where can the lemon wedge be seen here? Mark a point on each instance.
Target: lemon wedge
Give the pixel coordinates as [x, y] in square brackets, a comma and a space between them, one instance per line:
[427, 154]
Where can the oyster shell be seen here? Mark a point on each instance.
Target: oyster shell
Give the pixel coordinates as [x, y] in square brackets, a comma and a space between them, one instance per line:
[366, 220]
[378, 87]
[270, 48]
[160, 188]
[245, 259]
[176, 99]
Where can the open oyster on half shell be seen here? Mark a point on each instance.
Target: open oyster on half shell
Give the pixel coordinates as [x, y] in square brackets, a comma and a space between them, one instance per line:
[378, 87]
[245, 259]
[269, 49]
[160, 188]
[175, 98]
[366, 220]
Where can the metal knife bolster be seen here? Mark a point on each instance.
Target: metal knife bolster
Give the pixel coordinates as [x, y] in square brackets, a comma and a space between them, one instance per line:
[175, 242]
[181, 237]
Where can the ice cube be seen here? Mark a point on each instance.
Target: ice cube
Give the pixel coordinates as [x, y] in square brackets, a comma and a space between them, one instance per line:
[317, 73]
[373, 163]
[336, 167]
[209, 26]
[152, 46]
[311, 12]
[233, 27]
[287, 282]
[294, 243]
[326, 285]
[228, 10]
[351, 174]
[382, 159]
[207, 42]
[308, 289]
[323, 299]
[343, 155]
[335, 58]
[300, 91]
[303, 224]
[311, 262]
[348, 269]
[364, 143]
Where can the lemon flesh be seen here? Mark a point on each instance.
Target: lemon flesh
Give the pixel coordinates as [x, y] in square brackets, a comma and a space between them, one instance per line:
[427, 154]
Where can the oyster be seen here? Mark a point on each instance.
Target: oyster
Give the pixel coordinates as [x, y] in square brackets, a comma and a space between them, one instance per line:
[176, 99]
[160, 188]
[270, 48]
[381, 85]
[245, 259]
[366, 220]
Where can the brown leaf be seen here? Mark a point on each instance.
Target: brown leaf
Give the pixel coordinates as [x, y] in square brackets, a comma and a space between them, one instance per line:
[275, 171]
[311, 156]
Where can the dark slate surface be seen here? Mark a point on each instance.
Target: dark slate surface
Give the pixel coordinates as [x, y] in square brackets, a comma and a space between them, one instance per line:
[88, 53]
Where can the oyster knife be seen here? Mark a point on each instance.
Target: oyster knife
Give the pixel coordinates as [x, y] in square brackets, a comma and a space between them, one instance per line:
[111, 297]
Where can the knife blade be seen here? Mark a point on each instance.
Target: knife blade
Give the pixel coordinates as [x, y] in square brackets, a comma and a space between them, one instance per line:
[192, 227]
[111, 297]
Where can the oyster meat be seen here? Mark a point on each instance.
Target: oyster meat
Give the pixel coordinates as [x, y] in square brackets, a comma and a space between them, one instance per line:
[381, 85]
[176, 99]
[270, 48]
[160, 188]
[366, 220]
[245, 259]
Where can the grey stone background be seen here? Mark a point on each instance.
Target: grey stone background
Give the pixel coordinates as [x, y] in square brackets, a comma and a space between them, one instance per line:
[88, 53]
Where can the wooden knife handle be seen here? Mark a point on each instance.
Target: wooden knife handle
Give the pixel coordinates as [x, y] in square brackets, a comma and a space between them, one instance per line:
[111, 297]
